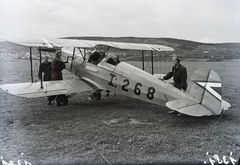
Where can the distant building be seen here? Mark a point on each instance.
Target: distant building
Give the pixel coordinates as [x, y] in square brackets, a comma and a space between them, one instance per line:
[217, 58]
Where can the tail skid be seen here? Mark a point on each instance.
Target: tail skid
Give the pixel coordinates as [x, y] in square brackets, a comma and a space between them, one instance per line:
[205, 88]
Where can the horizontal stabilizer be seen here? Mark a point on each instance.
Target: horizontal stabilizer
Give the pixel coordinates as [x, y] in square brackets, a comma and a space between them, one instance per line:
[205, 88]
[196, 110]
[34, 90]
[188, 107]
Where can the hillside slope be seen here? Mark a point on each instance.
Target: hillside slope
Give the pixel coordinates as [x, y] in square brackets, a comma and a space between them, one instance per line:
[183, 48]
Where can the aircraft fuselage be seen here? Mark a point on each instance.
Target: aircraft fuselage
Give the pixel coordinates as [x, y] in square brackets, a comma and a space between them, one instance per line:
[125, 79]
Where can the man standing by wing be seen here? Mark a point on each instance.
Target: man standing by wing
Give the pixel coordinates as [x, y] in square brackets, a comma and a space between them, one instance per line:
[46, 68]
[57, 66]
[179, 74]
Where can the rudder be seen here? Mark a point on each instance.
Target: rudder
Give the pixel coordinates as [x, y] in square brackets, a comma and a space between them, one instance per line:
[205, 86]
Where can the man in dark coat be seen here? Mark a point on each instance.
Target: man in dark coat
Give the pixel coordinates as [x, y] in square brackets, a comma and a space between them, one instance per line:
[57, 66]
[179, 74]
[46, 68]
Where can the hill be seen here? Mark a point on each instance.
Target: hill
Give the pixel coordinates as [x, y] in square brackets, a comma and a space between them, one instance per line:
[10, 51]
[184, 48]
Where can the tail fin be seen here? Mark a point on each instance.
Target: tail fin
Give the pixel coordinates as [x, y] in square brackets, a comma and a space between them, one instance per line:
[205, 87]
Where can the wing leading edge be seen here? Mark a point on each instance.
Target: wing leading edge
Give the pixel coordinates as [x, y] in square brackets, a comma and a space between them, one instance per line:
[52, 43]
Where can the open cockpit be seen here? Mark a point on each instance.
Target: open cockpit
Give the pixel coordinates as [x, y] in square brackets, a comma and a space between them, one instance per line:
[97, 57]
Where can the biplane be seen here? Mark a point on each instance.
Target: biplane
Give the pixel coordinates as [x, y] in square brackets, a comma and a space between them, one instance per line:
[96, 74]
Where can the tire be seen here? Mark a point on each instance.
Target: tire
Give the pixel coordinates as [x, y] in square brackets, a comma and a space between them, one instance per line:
[96, 96]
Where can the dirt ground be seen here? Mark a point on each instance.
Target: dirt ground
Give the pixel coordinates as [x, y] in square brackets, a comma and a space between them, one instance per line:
[115, 130]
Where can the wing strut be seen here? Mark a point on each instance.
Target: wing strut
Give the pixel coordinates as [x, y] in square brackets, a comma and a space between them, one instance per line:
[143, 59]
[107, 49]
[31, 63]
[85, 51]
[152, 61]
[74, 50]
[73, 56]
[40, 55]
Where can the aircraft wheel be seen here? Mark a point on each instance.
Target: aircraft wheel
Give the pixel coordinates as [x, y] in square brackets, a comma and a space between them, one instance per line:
[96, 96]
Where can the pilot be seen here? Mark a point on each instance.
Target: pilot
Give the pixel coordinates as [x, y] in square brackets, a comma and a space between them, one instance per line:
[94, 58]
[102, 55]
[113, 59]
[116, 60]
[179, 74]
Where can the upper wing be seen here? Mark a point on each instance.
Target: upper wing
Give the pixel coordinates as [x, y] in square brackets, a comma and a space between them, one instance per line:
[138, 46]
[33, 90]
[53, 43]
[56, 43]
[119, 45]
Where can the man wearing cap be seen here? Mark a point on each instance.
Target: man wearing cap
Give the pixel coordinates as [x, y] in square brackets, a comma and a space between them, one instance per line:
[179, 74]
[57, 66]
[46, 68]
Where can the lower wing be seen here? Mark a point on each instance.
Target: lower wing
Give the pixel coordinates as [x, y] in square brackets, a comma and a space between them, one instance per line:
[34, 90]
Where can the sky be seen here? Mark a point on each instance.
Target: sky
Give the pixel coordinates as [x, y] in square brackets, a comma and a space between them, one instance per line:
[209, 21]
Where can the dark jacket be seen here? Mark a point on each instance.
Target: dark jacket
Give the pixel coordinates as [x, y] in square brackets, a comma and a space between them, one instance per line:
[179, 75]
[57, 67]
[45, 68]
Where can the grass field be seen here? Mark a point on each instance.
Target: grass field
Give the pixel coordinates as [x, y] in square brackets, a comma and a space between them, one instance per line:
[116, 130]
